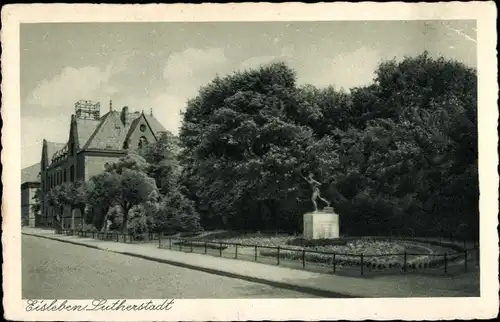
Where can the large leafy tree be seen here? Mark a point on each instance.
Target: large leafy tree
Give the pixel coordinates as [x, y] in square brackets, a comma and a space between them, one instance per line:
[397, 156]
[409, 158]
[243, 147]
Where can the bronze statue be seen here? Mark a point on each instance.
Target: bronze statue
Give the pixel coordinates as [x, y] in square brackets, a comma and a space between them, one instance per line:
[316, 193]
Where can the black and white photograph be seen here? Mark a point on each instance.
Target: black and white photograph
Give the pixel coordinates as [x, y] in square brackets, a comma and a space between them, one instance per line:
[287, 159]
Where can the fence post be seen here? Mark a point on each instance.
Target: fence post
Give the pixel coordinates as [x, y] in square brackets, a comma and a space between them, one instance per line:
[205, 247]
[362, 264]
[236, 251]
[334, 263]
[220, 249]
[169, 243]
[159, 240]
[404, 264]
[117, 237]
[180, 245]
[303, 258]
[93, 235]
[255, 252]
[445, 263]
[191, 246]
[278, 257]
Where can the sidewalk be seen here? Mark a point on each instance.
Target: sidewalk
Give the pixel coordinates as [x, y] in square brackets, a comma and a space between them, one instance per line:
[325, 285]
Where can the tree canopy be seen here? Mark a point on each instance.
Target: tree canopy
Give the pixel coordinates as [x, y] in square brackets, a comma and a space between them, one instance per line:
[396, 156]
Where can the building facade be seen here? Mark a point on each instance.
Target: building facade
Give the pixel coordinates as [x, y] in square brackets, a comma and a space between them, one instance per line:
[30, 183]
[93, 141]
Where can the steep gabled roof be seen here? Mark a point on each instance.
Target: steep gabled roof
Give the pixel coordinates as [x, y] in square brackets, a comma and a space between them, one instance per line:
[30, 174]
[85, 128]
[133, 125]
[110, 134]
[154, 124]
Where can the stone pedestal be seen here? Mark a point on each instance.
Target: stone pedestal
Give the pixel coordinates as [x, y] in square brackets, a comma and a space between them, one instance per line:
[322, 224]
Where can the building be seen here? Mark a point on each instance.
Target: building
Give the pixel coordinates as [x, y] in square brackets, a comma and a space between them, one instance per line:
[93, 141]
[30, 183]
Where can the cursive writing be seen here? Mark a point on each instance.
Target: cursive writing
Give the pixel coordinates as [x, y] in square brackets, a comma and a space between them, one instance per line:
[97, 305]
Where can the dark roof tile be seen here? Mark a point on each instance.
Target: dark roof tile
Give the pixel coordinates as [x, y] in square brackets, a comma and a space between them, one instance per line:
[85, 128]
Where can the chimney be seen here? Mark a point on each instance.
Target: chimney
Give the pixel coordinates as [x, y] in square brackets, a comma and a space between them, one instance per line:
[110, 105]
[124, 115]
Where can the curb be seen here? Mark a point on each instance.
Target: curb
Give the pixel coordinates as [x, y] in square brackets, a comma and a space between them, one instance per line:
[63, 241]
[283, 285]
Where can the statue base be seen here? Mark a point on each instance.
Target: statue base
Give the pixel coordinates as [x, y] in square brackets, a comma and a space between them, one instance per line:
[321, 224]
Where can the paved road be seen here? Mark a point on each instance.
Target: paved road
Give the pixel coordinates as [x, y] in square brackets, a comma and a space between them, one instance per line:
[52, 269]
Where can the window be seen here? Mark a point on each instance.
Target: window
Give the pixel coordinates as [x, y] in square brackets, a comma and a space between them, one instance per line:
[72, 149]
[142, 142]
[143, 127]
[72, 173]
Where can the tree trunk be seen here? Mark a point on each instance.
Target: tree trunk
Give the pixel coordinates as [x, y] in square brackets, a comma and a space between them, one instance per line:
[61, 217]
[82, 214]
[72, 218]
[125, 219]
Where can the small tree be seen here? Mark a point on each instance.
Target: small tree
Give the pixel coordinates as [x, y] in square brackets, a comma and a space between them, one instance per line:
[36, 205]
[99, 195]
[57, 198]
[131, 185]
[177, 213]
[133, 188]
[77, 191]
[163, 163]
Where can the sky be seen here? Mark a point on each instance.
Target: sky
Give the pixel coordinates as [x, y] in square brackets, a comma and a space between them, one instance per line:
[158, 66]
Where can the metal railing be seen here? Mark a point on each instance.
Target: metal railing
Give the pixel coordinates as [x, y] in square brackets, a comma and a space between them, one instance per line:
[301, 257]
[329, 261]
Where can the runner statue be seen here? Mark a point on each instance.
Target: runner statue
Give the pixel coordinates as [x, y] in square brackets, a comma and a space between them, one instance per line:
[316, 193]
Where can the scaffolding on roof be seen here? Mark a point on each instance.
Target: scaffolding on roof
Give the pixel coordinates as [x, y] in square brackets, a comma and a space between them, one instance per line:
[87, 110]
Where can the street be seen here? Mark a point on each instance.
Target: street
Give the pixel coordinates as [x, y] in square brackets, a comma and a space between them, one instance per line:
[57, 270]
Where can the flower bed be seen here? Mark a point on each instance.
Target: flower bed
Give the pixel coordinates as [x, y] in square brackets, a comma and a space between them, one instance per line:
[377, 254]
[316, 242]
[257, 240]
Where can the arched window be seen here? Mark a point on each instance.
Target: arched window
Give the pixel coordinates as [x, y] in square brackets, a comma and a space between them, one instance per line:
[143, 142]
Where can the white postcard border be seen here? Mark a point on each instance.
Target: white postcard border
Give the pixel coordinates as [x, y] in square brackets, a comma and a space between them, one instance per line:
[290, 309]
